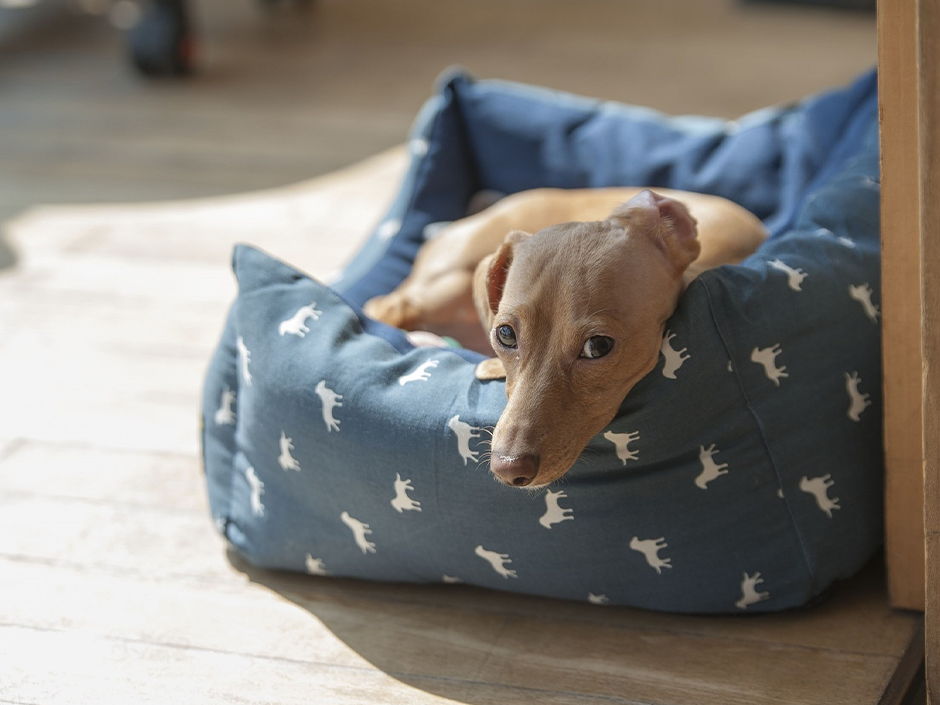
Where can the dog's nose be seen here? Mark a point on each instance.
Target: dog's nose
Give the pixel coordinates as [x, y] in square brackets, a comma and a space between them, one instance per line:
[517, 471]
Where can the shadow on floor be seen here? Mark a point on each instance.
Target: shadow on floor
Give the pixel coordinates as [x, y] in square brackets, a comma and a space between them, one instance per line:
[7, 255]
[481, 647]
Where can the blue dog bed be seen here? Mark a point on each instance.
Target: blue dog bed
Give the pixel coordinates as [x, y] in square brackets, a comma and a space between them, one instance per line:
[743, 474]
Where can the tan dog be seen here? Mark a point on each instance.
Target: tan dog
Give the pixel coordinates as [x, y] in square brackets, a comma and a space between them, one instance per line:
[576, 312]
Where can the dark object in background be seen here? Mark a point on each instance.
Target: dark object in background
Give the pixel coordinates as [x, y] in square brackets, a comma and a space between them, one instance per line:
[162, 43]
[841, 4]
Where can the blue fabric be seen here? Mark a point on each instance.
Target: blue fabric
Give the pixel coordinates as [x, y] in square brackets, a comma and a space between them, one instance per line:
[743, 474]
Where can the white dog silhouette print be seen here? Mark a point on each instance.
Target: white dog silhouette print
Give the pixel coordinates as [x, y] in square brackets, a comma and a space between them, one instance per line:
[819, 488]
[360, 531]
[766, 357]
[419, 374]
[651, 548]
[402, 501]
[297, 324]
[285, 459]
[225, 416]
[710, 469]
[858, 401]
[388, 229]
[465, 432]
[315, 566]
[257, 489]
[598, 599]
[795, 277]
[554, 514]
[330, 401]
[749, 594]
[621, 442]
[674, 358]
[244, 359]
[862, 293]
[497, 560]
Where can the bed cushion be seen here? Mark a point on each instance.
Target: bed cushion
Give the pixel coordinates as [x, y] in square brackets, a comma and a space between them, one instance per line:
[743, 474]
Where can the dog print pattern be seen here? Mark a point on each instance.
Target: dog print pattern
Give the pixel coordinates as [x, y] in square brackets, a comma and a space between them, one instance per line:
[766, 358]
[862, 293]
[555, 514]
[296, 324]
[465, 433]
[497, 561]
[749, 594]
[621, 442]
[419, 374]
[285, 459]
[402, 502]
[795, 277]
[244, 360]
[650, 548]
[225, 415]
[257, 489]
[556, 510]
[359, 530]
[330, 400]
[315, 566]
[858, 401]
[674, 358]
[710, 469]
[819, 488]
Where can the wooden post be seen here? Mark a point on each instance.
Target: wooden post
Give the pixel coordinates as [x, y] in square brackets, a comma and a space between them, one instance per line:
[909, 87]
[929, 119]
[900, 298]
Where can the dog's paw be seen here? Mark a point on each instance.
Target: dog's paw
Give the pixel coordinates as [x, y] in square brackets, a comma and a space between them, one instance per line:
[491, 368]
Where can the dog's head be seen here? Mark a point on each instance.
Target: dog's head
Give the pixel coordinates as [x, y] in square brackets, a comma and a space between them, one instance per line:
[576, 315]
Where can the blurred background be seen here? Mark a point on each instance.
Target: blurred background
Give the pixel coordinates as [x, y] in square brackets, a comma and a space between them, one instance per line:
[280, 92]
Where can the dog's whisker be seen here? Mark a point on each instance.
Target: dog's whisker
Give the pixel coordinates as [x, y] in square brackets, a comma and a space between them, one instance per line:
[581, 459]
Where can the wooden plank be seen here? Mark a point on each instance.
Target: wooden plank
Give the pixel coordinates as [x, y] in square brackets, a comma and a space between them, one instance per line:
[127, 537]
[900, 298]
[83, 472]
[907, 681]
[102, 321]
[929, 115]
[112, 398]
[316, 224]
[92, 669]
[447, 641]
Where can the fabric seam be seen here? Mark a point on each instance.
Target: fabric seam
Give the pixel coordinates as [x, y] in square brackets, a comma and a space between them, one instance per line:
[763, 438]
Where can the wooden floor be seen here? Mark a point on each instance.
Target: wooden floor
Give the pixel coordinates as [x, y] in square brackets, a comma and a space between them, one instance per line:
[286, 96]
[114, 585]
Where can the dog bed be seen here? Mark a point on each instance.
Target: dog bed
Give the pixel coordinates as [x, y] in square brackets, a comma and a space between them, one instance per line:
[743, 474]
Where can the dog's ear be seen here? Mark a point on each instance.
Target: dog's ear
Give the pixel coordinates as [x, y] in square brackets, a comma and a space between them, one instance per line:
[666, 221]
[490, 277]
[490, 368]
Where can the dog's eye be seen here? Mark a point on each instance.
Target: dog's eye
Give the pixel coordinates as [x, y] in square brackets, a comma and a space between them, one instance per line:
[506, 336]
[597, 346]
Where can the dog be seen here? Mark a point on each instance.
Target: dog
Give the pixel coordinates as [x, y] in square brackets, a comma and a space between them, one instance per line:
[575, 312]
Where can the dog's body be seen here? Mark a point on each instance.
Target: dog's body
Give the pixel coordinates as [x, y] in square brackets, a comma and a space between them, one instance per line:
[576, 313]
